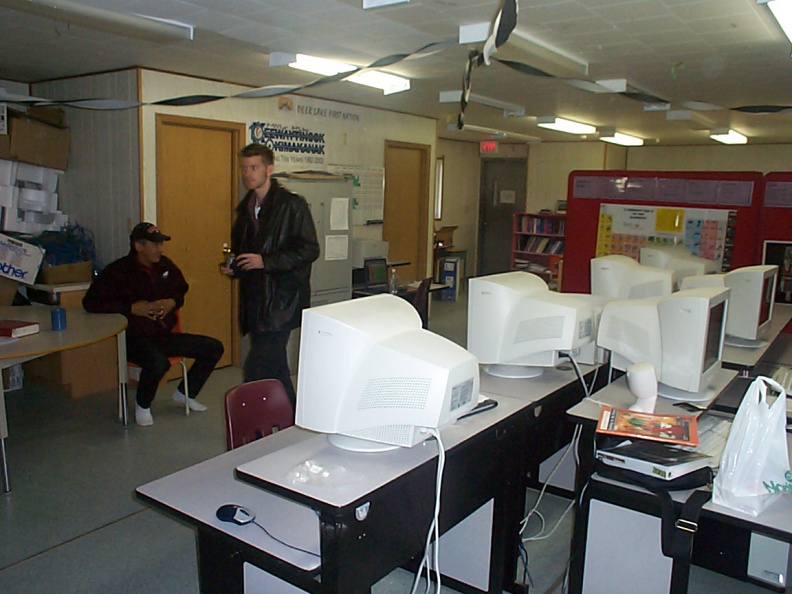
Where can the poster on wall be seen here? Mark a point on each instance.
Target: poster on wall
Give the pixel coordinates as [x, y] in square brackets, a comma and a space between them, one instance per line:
[368, 192]
[625, 229]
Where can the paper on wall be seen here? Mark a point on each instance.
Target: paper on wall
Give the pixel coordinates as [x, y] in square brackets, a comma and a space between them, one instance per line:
[339, 219]
[336, 247]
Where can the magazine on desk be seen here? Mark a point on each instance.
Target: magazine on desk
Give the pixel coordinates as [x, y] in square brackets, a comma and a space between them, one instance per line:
[678, 429]
[652, 458]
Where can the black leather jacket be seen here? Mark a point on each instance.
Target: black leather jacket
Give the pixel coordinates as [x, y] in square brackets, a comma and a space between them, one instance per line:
[272, 298]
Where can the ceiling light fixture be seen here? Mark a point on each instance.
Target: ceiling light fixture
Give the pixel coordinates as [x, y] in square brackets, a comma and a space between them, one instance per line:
[495, 133]
[727, 136]
[562, 125]
[379, 3]
[509, 109]
[109, 21]
[619, 138]
[388, 83]
[782, 11]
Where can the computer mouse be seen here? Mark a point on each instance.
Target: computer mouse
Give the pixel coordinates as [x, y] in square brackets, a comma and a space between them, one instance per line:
[231, 512]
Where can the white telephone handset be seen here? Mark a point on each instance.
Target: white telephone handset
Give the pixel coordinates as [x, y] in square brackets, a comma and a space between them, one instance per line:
[642, 381]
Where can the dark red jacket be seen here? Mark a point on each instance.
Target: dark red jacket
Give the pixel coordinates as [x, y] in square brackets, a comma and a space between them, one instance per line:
[126, 281]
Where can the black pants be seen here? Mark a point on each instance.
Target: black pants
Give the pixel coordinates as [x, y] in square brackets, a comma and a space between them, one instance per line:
[152, 357]
[267, 360]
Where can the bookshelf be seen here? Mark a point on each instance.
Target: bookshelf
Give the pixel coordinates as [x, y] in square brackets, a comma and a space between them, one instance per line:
[538, 244]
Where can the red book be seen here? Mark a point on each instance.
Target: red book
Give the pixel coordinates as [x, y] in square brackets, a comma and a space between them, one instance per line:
[17, 328]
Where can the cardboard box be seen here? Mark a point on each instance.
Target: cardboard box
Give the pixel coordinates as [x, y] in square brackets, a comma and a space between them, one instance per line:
[19, 260]
[444, 237]
[54, 116]
[77, 272]
[34, 142]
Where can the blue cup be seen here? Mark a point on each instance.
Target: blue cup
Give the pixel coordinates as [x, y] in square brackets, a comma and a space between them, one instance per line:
[58, 318]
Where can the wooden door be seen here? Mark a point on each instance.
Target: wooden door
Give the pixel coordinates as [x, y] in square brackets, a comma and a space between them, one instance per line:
[503, 187]
[406, 216]
[197, 190]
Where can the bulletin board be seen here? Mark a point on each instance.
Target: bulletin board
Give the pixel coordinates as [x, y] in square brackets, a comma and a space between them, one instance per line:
[739, 194]
[626, 228]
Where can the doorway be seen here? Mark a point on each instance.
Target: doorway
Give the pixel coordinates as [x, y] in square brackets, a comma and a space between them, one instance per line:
[406, 210]
[502, 193]
[197, 192]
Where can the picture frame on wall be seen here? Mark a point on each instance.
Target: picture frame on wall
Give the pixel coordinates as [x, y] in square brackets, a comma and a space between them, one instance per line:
[780, 253]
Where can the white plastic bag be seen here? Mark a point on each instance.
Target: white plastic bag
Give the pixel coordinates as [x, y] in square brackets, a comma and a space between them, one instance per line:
[754, 469]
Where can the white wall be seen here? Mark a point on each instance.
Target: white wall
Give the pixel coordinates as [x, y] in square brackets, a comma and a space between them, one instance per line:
[354, 135]
[461, 195]
[759, 157]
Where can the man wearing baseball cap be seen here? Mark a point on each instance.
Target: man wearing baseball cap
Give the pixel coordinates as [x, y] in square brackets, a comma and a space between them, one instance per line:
[148, 288]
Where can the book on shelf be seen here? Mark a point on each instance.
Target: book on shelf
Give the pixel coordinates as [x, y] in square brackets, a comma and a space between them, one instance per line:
[652, 458]
[17, 328]
[678, 429]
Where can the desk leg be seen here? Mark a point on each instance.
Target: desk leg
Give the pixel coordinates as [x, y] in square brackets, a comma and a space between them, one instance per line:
[3, 435]
[123, 377]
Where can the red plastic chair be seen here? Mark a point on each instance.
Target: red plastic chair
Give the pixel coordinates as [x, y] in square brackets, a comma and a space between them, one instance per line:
[134, 370]
[255, 410]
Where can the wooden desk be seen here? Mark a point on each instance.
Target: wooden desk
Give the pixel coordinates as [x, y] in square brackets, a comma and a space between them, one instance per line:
[358, 544]
[82, 329]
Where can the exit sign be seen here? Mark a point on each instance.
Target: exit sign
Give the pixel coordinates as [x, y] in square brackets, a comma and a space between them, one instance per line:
[488, 146]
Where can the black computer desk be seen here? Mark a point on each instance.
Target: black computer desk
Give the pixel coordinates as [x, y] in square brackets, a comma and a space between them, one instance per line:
[489, 457]
[364, 530]
[620, 522]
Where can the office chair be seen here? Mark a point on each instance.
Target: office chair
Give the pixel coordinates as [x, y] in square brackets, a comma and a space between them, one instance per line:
[134, 370]
[255, 410]
[420, 301]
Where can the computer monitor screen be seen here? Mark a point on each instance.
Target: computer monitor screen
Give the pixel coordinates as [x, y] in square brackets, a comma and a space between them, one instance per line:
[622, 277]
[517, 327]
[750, 301]
[376, 271]
[680, 334]
[371, 377]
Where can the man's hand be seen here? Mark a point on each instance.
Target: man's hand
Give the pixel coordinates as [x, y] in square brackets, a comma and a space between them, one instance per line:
[249, 261]
[163, 307]
[154, 310]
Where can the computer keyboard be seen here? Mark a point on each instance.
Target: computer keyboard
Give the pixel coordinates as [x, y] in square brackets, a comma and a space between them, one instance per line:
[713, 432]
[783, 375]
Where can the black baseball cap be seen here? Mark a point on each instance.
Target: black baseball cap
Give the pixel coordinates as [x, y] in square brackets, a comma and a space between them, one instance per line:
[148, 232]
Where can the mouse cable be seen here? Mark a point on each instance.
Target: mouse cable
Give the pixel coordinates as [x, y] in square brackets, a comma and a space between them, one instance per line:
[434, 528]
[285, 544]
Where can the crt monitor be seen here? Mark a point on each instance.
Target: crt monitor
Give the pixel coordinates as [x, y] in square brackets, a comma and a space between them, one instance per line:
[517, 326]
[621, 277]
[374, 379]
[750, 302]
[680, 334]
[677, 259]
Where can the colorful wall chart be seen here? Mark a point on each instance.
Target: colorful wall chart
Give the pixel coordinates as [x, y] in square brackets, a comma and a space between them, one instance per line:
[626, 228]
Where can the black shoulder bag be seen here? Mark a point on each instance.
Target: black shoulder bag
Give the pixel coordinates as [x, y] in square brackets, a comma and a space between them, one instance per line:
[677, 532]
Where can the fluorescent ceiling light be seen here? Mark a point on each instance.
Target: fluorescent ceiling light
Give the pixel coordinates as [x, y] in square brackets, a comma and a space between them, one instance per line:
[509, 109]
[101, 19]
[727, 136]
[562, 125]
[619, 138]
[378, 3]
[318, 65]
[389, 83]
[782, 11]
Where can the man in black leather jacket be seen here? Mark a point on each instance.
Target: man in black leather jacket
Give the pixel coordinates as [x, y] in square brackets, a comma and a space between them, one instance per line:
[274, 240]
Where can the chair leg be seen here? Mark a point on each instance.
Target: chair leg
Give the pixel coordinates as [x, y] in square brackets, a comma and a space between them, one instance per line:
[186, 389]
